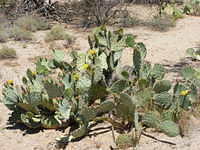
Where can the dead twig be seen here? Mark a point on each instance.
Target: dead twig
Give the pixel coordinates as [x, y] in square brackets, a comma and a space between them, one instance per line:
[162, 141]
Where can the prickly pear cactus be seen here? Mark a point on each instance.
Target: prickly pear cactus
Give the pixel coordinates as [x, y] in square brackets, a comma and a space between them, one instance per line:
[89, 85]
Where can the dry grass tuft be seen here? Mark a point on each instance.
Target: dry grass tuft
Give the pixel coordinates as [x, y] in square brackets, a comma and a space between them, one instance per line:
[20, 34]
[32, 23]
[3, 36]
[3, 33]
[161, 23]
[58, 33]
[6, 53]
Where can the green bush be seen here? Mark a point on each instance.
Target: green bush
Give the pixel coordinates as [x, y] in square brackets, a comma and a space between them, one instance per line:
[58, 33]
[6, 52]
[20, 34]
[32, 23]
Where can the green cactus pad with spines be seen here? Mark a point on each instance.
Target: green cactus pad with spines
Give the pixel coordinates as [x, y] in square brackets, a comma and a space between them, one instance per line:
[118, 86]
[97, 91]
[51, 122]
[34, 98]
[188, 73]
[143, 97]
[137, 61]
[130, 40]
[30, 120]
[10, 98]
[88, 113]
[78, 133]
[43, 66]
[162, 86]
[145, 70]
[158, 72]
[125, 107]
[142, 49]
[163, 99]
[143, 83]
[125, 141]
[64, 110]
[151, 119]
[167, 115]
[58, 55]
[53, 89]
[106, 106]
[169, 128]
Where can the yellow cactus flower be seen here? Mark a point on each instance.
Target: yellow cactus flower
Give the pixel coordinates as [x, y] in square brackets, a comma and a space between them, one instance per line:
[10, 82]
[92, 52]
[76, 76]
[184, 92]
[86, 66]
[34, 73]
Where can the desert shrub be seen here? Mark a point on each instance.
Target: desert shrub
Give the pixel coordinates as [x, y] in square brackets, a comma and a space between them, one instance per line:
[124, 19]
[58, 33]
[3, 3]
[32, 23]
[7, 6]
[99, 12]
[20, 34]
[161, 23]
[3, 35]
[6, 52]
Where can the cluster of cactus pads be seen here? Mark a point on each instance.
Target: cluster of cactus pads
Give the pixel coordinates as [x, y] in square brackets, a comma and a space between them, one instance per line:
[80, 92]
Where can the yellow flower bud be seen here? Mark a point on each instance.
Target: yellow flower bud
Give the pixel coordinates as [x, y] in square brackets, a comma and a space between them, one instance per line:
[10, 82]
[92, 52]
[86, 66]
[34, 73]
[76, 76]
[184, 92]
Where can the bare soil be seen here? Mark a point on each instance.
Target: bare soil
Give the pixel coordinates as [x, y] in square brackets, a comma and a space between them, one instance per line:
[167, 48]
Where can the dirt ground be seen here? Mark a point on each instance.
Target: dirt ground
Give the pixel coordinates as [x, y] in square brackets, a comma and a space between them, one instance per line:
[167, 48]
